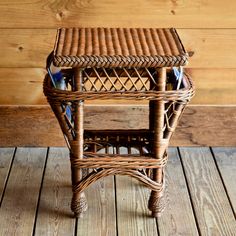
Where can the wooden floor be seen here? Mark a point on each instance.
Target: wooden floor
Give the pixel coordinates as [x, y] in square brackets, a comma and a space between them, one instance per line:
[35, 196]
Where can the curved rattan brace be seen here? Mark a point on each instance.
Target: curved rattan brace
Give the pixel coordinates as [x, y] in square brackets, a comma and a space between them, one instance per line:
[100, 173]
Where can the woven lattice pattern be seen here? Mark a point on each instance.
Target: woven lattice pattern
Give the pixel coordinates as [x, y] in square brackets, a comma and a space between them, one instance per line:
[119, 79]
[116, 47]
[122, 85]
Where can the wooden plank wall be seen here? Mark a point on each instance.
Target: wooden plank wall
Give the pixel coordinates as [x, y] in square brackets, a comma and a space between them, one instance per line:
[207, 28]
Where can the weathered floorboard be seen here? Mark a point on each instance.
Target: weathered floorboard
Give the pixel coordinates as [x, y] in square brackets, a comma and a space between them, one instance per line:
[18, 209]
[100, 218]
[213, 211]
[54, 214]
[6, 155]
[178, 209]
[133, 216]
[210, 202]
[226, 161]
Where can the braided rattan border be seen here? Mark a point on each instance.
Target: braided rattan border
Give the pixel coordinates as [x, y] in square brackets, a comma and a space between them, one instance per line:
[120, 61]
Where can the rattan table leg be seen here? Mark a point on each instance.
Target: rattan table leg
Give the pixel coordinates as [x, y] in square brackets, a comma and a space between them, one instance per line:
[156, 124]
[78, 203]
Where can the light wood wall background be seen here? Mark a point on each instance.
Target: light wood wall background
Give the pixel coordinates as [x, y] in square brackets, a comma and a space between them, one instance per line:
[207, 29]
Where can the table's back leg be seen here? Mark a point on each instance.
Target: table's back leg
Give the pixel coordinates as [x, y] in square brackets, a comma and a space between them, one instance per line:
[156, 124]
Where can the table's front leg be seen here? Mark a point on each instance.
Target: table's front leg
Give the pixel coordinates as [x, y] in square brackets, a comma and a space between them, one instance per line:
[79, 203]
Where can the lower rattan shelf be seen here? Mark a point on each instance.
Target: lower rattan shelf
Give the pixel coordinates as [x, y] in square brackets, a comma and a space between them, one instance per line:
[118, 149]
[118, 152]
[118, 142]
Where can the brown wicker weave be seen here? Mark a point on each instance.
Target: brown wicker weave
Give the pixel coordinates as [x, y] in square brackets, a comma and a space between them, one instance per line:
[118, 64]
[109, 47]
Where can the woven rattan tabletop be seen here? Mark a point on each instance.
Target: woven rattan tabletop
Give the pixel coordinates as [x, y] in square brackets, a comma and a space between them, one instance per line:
[118, 47]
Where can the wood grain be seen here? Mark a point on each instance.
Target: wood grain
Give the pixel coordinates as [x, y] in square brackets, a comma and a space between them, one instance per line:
[213, 212]
[132, 212]
[18, 209]
[131, 207]
[211, 48]
[26, 48]
[226, 161]
[206, 126]
[25, 125]
[100, 218]
[211, 206]
[200, 125]
[6, 156]
[30, 47]
[140, 13]
[23, 86]
[214, 86]
[174, 218]
[54, 214]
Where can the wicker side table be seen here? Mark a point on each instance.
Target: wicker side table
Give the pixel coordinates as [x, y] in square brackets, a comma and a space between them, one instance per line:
[109, 63]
